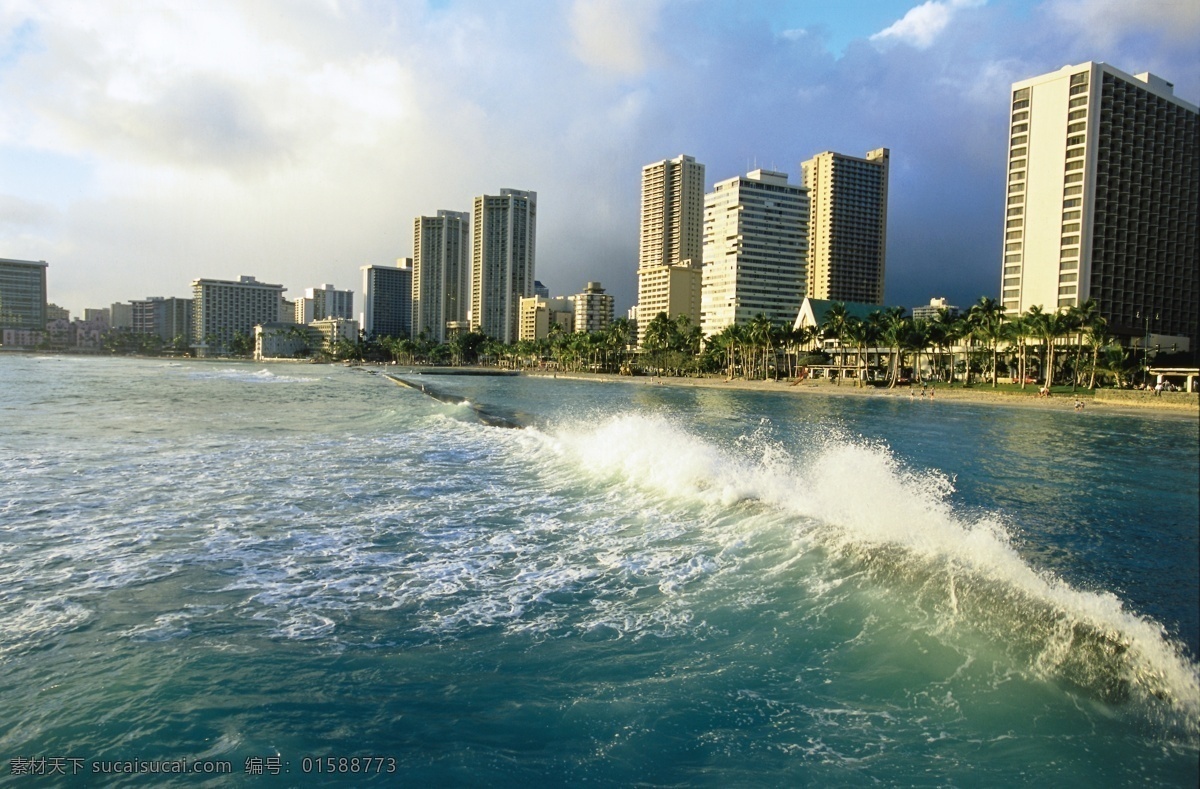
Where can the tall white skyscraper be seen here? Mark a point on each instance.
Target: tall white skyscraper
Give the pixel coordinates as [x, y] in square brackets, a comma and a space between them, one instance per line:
[503, 246]
[441, 272]
[670, 248]
[847, 229]
[1102, 200]
[755, 247]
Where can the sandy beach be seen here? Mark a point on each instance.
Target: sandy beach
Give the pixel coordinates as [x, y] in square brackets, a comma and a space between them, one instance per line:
[941, 393]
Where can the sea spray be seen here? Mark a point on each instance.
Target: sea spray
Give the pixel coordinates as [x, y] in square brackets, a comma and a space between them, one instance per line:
[854, 498]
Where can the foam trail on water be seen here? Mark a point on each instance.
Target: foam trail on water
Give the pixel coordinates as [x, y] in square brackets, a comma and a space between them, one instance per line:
[897, 524]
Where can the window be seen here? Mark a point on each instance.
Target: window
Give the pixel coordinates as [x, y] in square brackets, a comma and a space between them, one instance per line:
[1072, 227]
[1071, 277]
[1077, 89]
[1078, 101]
[1069, 253]
[1079, 79]
[1076, 127]
[1076, 115]
[1018, 164]
[1016, 200]
[1012, 269]
[1068, 265]
[1011, 281]
[1023, 115]
[1073, 177]
[1018, 128]
[1016, 211]
[1073, 190]
[1072, 215]
[1070, 240]
[1018, 151]
[1020, 104]
[1076, 165]
[1012, 234]
[1013, 258]
[1076, 140]
[1067, 290]
[1021, 139]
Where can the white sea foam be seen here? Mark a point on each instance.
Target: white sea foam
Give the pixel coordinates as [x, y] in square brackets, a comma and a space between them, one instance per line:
[857, 500]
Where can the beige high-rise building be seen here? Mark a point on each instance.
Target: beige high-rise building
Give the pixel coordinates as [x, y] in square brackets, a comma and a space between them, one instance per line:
[503, 246]
[755, 248]
[1102, 200]
[441, 279]
[670, 250]
[847, 230]
[223, 308]
[593, 309]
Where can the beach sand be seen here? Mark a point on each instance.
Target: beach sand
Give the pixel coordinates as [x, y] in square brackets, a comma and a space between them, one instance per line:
[980, 394]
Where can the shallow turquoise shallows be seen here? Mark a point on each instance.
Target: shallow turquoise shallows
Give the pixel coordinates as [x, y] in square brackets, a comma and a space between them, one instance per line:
[318, 575]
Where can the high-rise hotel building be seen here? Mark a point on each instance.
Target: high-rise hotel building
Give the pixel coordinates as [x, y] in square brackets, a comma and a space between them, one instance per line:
[670, 248]
[388, 300]
[1103, 198]
[441, 272]
[23, 294]
[755, 248]
[847, 229]
[503, 246]
[222, 308]
[593, 309]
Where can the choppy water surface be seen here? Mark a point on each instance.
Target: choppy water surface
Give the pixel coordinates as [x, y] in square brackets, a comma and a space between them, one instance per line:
[223, 562]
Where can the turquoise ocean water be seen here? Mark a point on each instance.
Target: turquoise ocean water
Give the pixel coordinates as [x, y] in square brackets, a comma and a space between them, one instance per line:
[283, 569]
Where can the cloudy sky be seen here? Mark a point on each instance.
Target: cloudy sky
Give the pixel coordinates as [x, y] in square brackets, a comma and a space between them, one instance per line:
[145, 144]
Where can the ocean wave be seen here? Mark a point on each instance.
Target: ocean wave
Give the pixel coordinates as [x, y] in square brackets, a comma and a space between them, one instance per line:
[858, 502]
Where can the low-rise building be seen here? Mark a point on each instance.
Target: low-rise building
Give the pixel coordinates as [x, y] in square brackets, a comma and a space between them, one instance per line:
[930, 312]
[538, 314]
[334, 329]
[285, 340]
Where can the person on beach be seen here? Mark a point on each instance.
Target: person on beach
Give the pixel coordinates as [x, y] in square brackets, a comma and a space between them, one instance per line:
[1078, 405]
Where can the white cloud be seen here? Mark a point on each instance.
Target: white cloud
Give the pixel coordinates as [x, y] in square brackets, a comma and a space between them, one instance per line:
[613, 35]
[1106, 22]
[921, 26]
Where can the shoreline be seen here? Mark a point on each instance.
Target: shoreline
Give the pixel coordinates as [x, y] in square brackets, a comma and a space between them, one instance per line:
[943, 393]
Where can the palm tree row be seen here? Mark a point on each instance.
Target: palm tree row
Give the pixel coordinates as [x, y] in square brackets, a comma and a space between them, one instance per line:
[1066, 344]
[887, 346]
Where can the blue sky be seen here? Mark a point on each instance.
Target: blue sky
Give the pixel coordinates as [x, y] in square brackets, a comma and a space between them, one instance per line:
[144, 144]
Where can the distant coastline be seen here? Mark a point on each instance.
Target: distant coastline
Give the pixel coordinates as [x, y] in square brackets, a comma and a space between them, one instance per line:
[1180, 406]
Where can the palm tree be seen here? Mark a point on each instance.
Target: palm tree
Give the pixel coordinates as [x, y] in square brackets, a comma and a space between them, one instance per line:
[1121, 363]
[1082, 317]
[834, 325]
[759, 333]
[987, 317]
[938, 337]
[1097, 338]
[895, 327]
